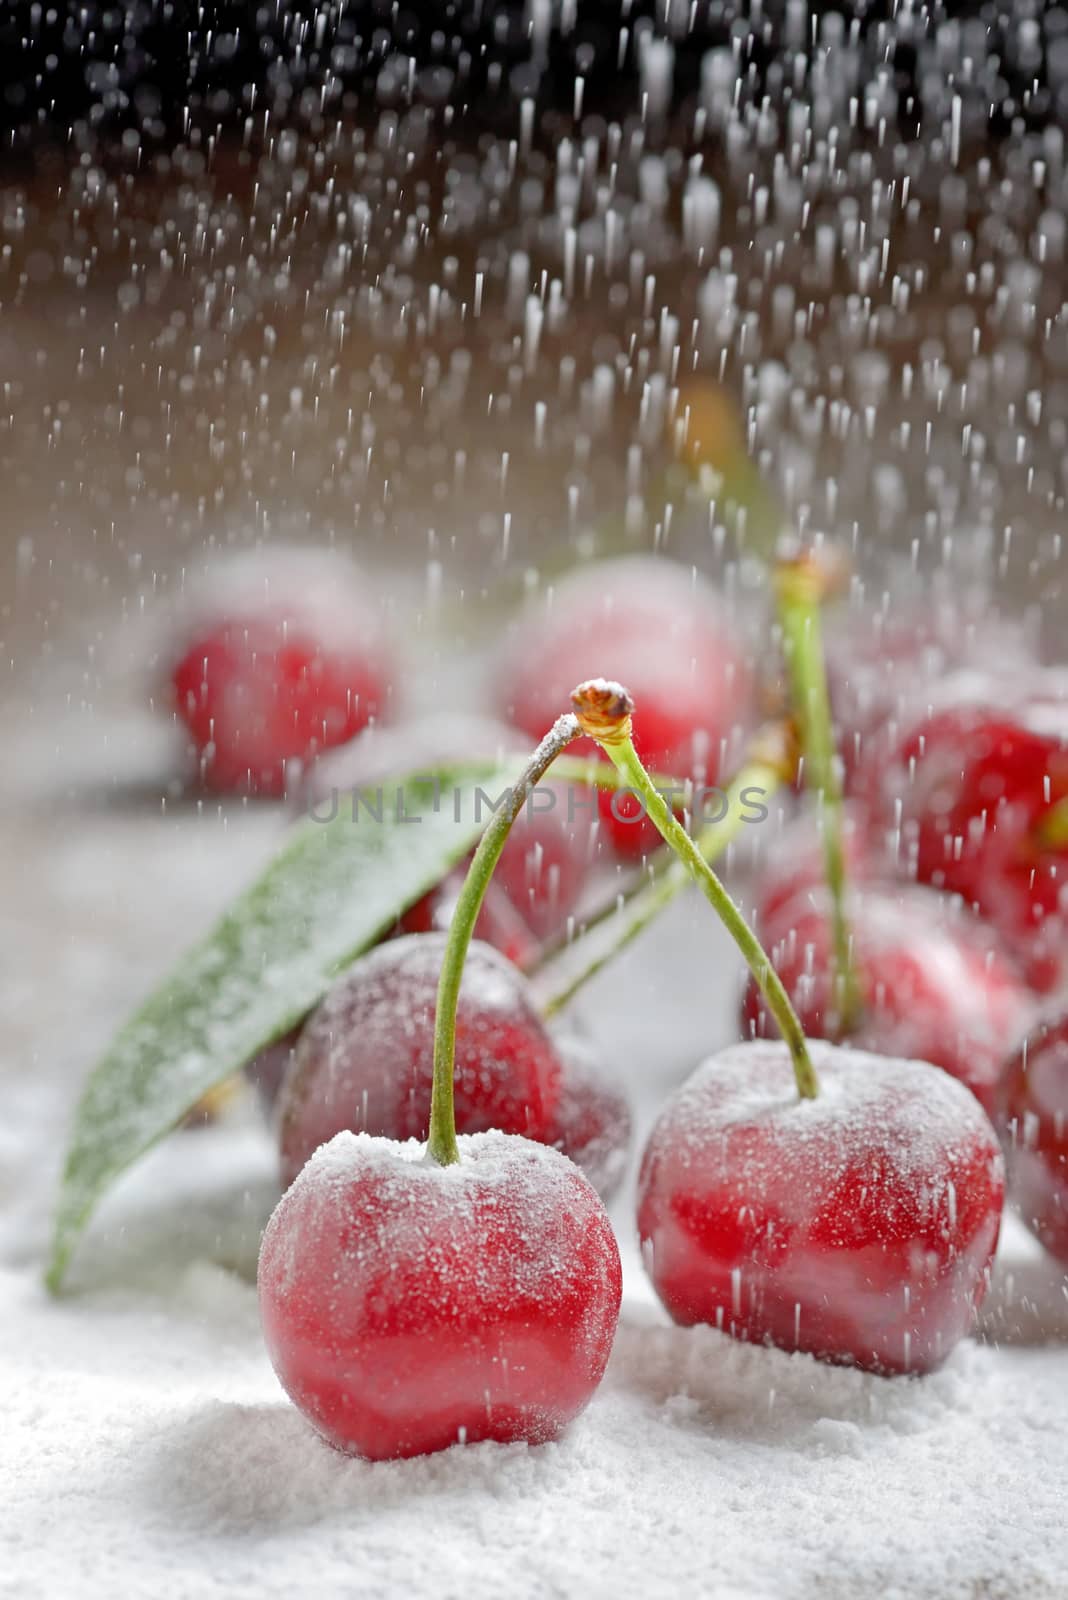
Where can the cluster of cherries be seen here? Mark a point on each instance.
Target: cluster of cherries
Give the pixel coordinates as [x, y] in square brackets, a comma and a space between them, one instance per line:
[841, 1198]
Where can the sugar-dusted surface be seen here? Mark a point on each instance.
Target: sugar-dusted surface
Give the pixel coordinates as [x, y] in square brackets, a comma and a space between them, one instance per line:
[408, 1306]
[859, 1226]
[147, 1448]
[364, 1059]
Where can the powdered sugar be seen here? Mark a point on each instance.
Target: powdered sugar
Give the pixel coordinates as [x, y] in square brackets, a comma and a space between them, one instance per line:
[915, 1111]
[147, 1441]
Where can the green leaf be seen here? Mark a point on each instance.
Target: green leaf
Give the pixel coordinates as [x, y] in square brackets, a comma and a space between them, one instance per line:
[328, 895]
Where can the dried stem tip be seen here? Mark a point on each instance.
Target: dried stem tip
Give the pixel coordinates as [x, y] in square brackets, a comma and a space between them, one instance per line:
[603, 710]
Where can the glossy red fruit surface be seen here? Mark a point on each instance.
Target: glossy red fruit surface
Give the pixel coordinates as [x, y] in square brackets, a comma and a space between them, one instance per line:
[935, 985]
[547, 856]
[592, 1123]
[407, 1307]
[1034, 1122]
[974, 779]
[858, 1227]
[661, 631]
[364, 1060]
[282, 659]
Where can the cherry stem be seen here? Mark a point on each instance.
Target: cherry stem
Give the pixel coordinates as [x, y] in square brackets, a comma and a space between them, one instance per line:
[604, 712]
[441, 1145]
[801, 583]
[765, 772]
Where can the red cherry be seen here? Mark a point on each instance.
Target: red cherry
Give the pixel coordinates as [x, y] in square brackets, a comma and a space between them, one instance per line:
[972, 780]
[285, 660]
[1034, 1119]
[592, 1121]
[408, 1306]
[546, 858]
[934, 983]
[859, 1226]
[364, 1057]
[660, 630]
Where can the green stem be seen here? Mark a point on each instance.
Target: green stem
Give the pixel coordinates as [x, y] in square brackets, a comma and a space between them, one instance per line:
[619, 748]
[641, 903]
[799, 586]
[441, 1145]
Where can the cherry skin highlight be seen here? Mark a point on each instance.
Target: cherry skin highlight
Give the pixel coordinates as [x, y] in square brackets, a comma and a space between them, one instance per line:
[934, 984]
[664, 634]
[1033, 1115]
[858, 1227]
[274, 669]
[408, 1307]
[364, 1059]
[975, 776]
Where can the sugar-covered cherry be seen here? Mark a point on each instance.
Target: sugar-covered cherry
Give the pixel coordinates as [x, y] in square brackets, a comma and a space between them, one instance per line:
[666, 633]
[803, 1194]
[858, 1226]
[364, 1058]
[413, 1298]
[934, 983]
[278, 658]
[1033, 1114]
[408, 1306]
[977, 781]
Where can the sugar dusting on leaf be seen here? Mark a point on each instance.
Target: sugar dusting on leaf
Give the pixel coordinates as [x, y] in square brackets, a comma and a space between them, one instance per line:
[331, 891]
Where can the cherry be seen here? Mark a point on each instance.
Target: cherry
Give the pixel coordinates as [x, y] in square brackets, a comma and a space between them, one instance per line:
[934, 985]
[592, 1120]
[282, 661]
[411, 1298]
[546, 857]
[664, 631]
[363, 1061]
[974, 779]
[858, 1226]
[407, 1306]
[1034, 1119]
